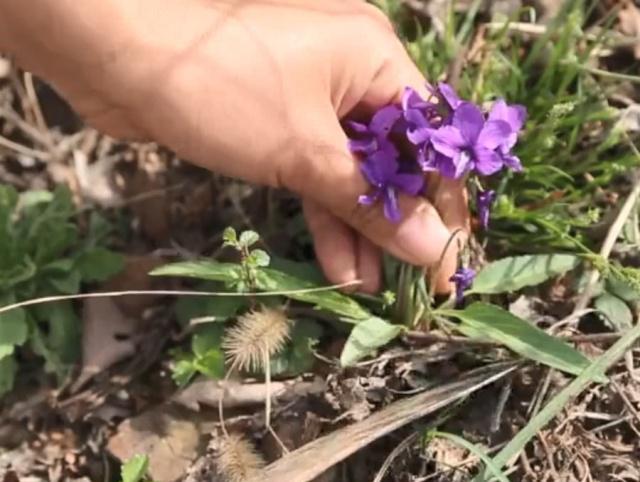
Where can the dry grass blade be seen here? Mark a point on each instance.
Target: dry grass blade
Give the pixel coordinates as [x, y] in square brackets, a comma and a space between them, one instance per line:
[313, 459]
[597, 367]
[238, 460]
[257, 336]
[116, 294]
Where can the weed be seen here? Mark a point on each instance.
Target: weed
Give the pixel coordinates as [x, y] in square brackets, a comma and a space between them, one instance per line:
[42, 253]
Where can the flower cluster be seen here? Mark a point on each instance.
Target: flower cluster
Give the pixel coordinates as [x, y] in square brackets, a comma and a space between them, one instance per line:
[442, 134]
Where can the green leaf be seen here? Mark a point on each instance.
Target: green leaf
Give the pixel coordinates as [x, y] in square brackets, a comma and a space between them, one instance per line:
[522, 337]
[183, 371]
[303, 270]
[135, 469]
[64, 331]
[8, 368]
[214, 308]
[211, 364]
[206, 338]
[248, 238]
[205, 269]
[99, 264]
[511, 274]
[617, 312]
[67, 284]
[6, 350]
[230, 237]
[23, 270]
[271, 280]
[366, 337]
[260, 258]
[297, 356]
[14, 328]
[622, 289]
[53, 363]
[31, 198]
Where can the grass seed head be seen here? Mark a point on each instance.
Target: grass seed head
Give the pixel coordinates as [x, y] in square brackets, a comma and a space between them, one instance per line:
[258, 335]
[238, 460]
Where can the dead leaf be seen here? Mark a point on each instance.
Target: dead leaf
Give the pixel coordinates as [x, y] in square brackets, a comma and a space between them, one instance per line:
[105, 338]
[170, 440]
[135, 276]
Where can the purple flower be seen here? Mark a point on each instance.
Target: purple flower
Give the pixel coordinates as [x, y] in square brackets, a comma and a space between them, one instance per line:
[515, 116]
[484, 201]
[463, 279]
[374, 136]
[418, 115]
[471, 142]
[382, 172]
[446, 92]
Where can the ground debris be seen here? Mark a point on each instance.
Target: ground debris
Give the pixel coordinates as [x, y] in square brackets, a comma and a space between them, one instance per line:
[170, 438]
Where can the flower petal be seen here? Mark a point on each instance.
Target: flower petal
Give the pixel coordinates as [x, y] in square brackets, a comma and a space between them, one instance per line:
[448, 140]
[383, 120]
[391, 209]
[411, 99]
[409, 183]
[369, 199]
[365, 146]
[493, 134]
[512, 162]
[416, 118]
[469, 120]
[514, 115]
[420, 135]
[448, 167]
[487, 162]
[380, 167]
[449, 95]
[358, 127]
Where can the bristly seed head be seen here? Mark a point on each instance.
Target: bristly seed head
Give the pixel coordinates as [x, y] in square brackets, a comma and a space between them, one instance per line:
[238, 460]
[258, 335]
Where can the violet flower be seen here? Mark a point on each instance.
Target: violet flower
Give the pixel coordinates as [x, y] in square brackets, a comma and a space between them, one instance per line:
[446, 92]
[382, 172]
[515, 116]
[463, 279]
[484, 201]
[374, 136]
[471, 142]
[418, 114]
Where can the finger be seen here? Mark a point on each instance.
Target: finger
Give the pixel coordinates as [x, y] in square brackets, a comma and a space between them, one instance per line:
[369, 263]
[390, 81]
[331, 177]
[449, 197]
[334, 243]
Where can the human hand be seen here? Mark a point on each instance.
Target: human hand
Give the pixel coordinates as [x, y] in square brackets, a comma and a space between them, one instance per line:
[255, 89]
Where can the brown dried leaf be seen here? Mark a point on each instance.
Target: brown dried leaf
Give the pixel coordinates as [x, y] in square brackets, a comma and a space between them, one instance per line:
[104, 326]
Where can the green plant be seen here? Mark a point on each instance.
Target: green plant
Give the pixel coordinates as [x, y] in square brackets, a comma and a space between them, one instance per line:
[135, 469]
[42, 253]
[206, 316]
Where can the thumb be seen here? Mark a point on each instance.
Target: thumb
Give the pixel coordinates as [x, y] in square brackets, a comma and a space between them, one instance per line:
[330, 175]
